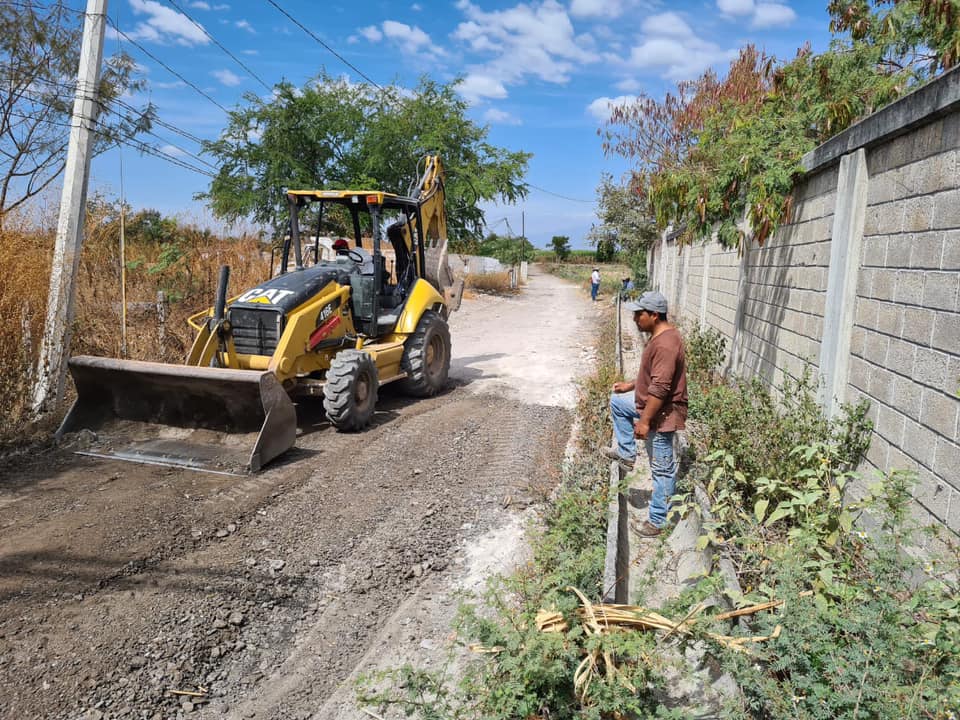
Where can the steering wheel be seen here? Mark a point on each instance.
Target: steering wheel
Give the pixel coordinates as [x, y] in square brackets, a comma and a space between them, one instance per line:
[355, 256]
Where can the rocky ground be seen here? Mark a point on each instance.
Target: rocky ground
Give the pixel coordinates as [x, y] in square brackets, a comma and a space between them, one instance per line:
[131, 591]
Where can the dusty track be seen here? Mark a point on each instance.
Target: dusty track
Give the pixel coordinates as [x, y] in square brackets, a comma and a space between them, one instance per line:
[120, 582]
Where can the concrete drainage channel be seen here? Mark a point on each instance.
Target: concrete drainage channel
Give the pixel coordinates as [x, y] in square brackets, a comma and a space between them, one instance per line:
[659, 569]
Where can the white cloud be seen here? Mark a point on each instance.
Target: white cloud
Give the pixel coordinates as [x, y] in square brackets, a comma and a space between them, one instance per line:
[408, 39]
[371, 33]
[667, 23]
[596, 8]
[416, 7]
[603, 106]
[669, 43]
[221, 7]
[244, 25]
[475, 87]
[165, 25]
[736, 7]
[169, 85]
[763, 14]
[200, 5]
[535, 40]
[227, 78]
[172, 150]
[249, 52]
[493, 115]
[772, 14]
[628, 85]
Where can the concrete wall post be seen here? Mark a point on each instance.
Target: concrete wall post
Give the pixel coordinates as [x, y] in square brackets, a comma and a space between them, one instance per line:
[845, 256]
[683, 260]
[707, 247]
[734, 363]
[662, 275]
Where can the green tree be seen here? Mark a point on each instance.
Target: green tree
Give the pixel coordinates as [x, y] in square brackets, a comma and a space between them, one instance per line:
[625, 220]
[333, 134]
[39, 56]
[561, 247]
[508, 250]
[921, 36]
[718, 151]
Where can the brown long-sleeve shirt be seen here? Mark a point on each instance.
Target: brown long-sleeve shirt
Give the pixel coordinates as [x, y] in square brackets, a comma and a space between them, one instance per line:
[663, 374]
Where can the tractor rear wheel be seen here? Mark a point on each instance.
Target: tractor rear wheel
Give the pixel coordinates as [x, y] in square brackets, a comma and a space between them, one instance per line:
[350, 393]
[426, 356]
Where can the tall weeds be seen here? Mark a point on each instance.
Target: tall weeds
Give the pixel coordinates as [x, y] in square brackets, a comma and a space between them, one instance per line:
[179, 264]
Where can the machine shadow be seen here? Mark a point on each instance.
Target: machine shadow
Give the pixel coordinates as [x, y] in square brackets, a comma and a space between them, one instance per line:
[463, 372]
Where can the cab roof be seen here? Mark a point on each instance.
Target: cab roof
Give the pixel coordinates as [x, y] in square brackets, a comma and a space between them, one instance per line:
[355, 197]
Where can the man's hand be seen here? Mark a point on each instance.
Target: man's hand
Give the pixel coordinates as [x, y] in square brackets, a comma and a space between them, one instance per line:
[641, 428]
[623, 386]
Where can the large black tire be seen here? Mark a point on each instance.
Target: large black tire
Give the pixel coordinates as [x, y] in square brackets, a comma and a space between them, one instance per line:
[350, 393]
[426, 356]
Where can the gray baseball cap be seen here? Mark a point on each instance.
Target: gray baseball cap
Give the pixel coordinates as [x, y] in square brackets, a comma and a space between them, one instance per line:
[651, 301]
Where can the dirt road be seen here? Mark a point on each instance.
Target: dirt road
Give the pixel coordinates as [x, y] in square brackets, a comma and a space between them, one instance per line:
[265, 596]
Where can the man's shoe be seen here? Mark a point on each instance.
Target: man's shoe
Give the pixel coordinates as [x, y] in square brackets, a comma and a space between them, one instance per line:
[612, 453]
[649, 530]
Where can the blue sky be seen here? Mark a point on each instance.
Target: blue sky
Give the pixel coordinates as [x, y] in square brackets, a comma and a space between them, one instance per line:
[540, 74]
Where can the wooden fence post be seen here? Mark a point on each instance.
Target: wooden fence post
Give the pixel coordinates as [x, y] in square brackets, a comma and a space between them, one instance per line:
[161, 318]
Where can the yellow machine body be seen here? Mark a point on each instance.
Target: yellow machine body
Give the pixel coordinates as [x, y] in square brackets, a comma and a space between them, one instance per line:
[339, 327]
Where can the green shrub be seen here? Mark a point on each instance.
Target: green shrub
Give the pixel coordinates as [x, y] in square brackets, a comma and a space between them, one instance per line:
[869, 642]
[860, 634]
[761, 430]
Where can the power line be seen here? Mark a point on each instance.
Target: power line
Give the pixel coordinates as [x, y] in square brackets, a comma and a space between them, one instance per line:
[562, 197]
[165, 66]
[330, 49]
[217, 43]
[71, 89]
[126, 106]
[128, 140]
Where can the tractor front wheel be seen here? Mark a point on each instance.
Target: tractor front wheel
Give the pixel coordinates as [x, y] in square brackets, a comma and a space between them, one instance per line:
[350, 393]
[426, 356]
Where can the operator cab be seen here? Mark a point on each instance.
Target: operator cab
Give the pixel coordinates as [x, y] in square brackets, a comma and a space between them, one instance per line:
[379, 284]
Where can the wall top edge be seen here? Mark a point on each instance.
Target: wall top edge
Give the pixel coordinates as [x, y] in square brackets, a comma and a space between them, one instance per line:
[924, 105]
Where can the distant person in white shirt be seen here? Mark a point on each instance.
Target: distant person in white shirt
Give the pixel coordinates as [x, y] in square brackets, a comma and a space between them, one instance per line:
[594, 283]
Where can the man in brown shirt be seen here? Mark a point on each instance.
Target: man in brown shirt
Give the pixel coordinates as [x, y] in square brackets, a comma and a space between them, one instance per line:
[655, 409]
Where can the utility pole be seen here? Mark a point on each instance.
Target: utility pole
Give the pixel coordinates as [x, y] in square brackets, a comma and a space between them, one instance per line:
[55, 348]
[523, 234]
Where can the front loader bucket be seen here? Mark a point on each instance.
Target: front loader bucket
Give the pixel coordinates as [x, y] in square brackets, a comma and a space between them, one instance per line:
[203, 418]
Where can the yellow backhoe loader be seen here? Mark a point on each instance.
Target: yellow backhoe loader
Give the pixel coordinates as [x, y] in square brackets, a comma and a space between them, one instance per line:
[339, 327]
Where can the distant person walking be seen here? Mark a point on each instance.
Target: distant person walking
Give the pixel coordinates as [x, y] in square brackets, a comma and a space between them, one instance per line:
[652, 407]
[626, 287]
[594, 283]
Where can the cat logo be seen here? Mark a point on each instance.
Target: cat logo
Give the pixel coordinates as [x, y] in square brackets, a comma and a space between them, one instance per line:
[265, 297]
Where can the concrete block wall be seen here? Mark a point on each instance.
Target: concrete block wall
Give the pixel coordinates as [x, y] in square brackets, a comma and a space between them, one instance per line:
[906, 337]
[784, 300]
[721, 288]
[876, 228]
[690, 304]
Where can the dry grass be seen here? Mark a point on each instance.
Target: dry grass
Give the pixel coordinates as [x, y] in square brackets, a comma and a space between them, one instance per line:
[497, 283]
[186, 277]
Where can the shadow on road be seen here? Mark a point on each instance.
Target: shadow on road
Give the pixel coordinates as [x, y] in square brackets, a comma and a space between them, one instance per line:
[462, 372]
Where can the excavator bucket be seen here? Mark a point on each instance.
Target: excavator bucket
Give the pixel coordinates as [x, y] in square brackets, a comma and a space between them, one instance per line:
[439, 274]
[213, 419]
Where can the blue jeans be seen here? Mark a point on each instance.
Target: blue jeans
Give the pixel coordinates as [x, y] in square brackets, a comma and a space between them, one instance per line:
[659, 447]
[594, 289]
